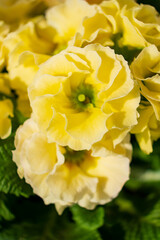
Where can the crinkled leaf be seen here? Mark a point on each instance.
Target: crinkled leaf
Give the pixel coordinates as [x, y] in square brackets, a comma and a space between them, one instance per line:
[88, 219]
[5, 213]
[47, 226]
[144, 225]
[141, 231]
[9, 179]
[154, 215]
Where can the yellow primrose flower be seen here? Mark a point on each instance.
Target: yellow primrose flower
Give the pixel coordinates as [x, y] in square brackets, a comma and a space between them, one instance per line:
[67, 18]
[4, 84]
[6, 107]
[91, 22]
[140, 24]
[146, 69]
[120, 24]
[4, 30]
[24, 50]
[148, 128]
[14, 11]
[23, 103]
[64, 176]
[102, 25]
[80, 94]
[6, 111]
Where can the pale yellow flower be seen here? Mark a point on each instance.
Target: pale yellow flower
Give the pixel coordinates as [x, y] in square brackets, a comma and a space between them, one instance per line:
[24, 50]
[146, 69]
[80, 94]
[148, 128]
[120, 24]
[67, 18]
[6, 107]
[141, 25]
[63, 176]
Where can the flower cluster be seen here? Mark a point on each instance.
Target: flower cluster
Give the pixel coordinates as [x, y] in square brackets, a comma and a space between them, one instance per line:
[86, 74]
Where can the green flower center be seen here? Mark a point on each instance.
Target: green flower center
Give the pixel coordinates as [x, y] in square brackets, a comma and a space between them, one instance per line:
[83, 97]
[72, 156]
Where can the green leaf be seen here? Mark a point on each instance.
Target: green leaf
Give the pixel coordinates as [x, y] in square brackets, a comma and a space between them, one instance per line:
[151, 161]
[5, 213]
[88, 219]
[141, 231]
[72, 232]
[47, 226]
[143, 178]
[144, 226]
[145, 169]
[9, 179]
[28, 231]
[154, 215]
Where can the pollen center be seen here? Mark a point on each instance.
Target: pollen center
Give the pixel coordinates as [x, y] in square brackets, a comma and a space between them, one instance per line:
[81, 97]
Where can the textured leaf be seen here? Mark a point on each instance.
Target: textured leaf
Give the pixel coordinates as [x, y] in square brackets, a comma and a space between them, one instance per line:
[88, 219]
[141, 231]
[27, 231]
[5, 213]
[154, 215]
[144, 227]
[49, 226]
[9, 179]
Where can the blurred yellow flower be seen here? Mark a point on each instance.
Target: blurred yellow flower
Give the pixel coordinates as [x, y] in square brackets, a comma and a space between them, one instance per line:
[50, 3]
[4, 30]
[15, 11]
[80, 94]
[148, 128]
[146, 69]
[6, 107]
[64, 176]
[23, 103]
[5, 84]
[6, 111]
